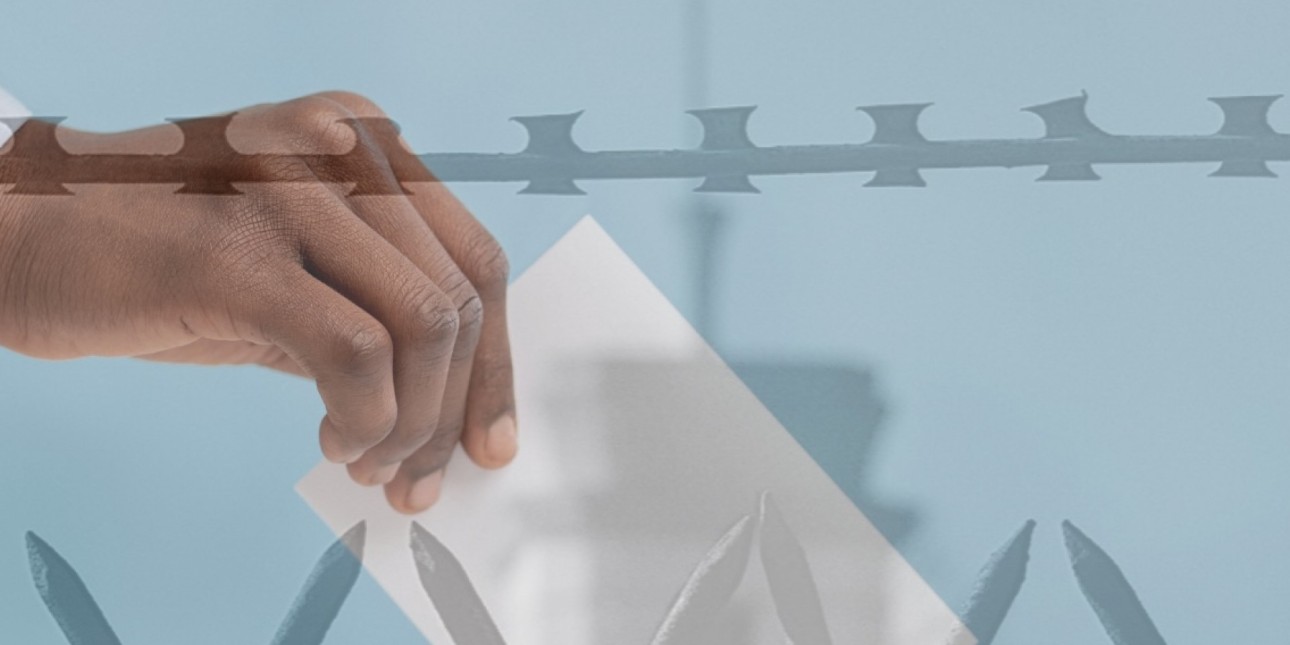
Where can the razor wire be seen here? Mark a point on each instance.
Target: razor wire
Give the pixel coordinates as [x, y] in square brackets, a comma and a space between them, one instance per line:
[693, 611]
[725, 160]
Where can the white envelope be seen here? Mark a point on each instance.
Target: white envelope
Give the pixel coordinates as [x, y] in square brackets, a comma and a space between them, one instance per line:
[639, 449]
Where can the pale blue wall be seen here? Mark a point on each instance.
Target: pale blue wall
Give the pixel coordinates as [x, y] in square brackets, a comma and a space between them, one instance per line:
[1115, 353]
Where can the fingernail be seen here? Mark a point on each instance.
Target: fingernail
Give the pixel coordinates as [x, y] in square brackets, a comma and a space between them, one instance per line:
[338, 457]
[425, 493]
[501, 440]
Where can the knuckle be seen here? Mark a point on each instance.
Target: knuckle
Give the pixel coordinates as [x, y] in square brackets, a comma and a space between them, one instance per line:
[365, 351]
[466, 300]
[314, 122]
[433, 316]
[470, 313]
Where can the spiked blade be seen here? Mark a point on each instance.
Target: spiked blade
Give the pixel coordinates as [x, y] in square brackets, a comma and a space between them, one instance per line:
[1246, 116]
[1067, 118]
[797, 598]
[13, 123]
[552, 187]
[67, 597]
[727, 184]
[896, 124]
[1070, 172]
[1108, 591]
[709, 588]
[897, 177]
[325, 591]
[1244, 168]
[382, 134]
[725, 129]
[997, 587]
[39, 140]
[550, 134]
[206, 138]
[455, 599]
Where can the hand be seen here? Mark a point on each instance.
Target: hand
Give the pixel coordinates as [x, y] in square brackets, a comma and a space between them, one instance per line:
[395, 304]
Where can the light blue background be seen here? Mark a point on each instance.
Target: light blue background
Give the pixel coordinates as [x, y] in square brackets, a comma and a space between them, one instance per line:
[1114, 353]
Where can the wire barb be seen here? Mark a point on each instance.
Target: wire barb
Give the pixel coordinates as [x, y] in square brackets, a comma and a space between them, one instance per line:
[709, 587]
[325, 591]
[551, 135]
[1068, 119]
[449, 587]
[206, 139]
[39, 146]
[792, 586]
[997, 587]
[725, 129]
[1245, 116]
[68, 599]
[1109, 593]
[896, 124]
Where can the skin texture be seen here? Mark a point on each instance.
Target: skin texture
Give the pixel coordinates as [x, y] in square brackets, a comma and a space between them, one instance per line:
[395, 304]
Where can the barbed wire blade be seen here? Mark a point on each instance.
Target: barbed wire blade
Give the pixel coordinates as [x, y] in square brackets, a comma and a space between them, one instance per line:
[325, 591]
[1246, 116]
[1107, 590]
[1067, 118]
[39, 140]
[1070, 172]
[1244, 168]
[997, 587]
[205, 138]
[67, 597]
[727, 184]
[793, 588]
[550, 134]
[709, 588]
[454, 597]
[896, 177]
[552, 187]
[896, 123]
[725, 128]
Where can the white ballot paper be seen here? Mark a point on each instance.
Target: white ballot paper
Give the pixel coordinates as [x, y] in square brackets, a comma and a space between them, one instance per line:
[639, 450]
